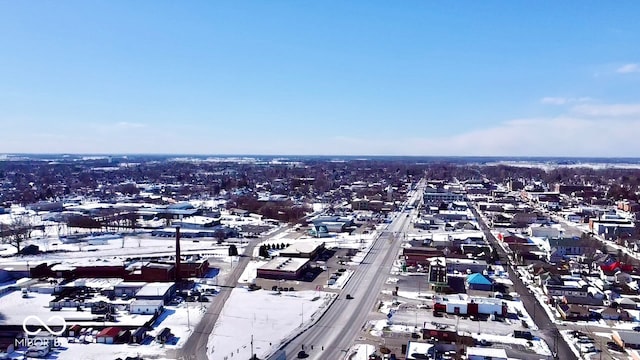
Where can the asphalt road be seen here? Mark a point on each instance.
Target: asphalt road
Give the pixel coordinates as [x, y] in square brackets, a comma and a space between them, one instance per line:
[548, 330]
[332, 335]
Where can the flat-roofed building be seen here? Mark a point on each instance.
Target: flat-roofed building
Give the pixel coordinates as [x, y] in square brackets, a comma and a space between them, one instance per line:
[146, 307]
[486, 353]
[436, 198]
[156, 291]
[284, 268]
[303, 249]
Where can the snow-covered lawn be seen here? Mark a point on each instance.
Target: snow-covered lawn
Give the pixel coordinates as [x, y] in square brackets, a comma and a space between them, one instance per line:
[251, 271]
[268, 317]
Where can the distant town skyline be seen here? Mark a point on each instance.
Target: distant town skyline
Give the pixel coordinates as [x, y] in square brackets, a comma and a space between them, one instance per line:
[330, 78]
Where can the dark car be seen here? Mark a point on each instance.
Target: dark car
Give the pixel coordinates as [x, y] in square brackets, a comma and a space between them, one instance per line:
[349, 297]
[636, 328]
[615, 347]
[302, 354]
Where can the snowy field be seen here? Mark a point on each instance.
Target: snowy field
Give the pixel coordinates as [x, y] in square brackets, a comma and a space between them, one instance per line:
[269, 317]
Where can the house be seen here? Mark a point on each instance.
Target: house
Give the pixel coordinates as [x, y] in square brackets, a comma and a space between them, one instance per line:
[612, 227]
[615, 314]
[626, 303]
[557, 286]
[478, 281]
[146, 307]
[562, 247]
[627, 339]
[138, 335]
[164, 335]
[108, 335]
[582, 300]
[572, 312]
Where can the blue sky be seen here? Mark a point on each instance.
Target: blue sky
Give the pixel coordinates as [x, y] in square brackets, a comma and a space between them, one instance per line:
[555, 78]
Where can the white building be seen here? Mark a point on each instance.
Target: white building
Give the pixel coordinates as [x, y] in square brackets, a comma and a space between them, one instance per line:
[486, 353]
[146, 307]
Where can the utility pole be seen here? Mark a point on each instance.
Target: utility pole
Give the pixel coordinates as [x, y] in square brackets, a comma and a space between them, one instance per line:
[188, 318]
[253, 355]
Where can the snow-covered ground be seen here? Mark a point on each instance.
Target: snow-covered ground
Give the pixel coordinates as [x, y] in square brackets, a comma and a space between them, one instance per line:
[268, 317]
[128, 246]
[360, 352]
[180, 319]
[251, 271]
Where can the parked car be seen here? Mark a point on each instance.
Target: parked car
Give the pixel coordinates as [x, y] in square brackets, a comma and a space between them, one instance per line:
[585, 340]
[615, 347]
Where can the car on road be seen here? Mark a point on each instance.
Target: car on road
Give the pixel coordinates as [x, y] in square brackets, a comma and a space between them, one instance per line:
[484, 342]
[302, 354]
[349, 297]
[636, 328]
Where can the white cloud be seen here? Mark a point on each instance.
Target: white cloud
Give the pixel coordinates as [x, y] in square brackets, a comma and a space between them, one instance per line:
[607, 110]
[628, 68]
[553, 100]
[130, 125]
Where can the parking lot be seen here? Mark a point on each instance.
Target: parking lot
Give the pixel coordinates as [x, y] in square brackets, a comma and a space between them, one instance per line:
[591, 342]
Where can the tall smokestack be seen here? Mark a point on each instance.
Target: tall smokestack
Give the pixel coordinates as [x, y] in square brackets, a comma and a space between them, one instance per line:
[177, 254]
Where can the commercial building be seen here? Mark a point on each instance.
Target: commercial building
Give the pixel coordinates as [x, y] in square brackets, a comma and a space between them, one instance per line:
[436, 198]
[156, 291]
[146, 307]
[303, 249]
[284, 269]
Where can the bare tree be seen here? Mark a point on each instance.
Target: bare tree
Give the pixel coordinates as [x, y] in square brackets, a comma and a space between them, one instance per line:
[16, 232]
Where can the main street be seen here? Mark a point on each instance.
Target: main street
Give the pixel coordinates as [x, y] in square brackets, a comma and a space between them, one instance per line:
[548, 330]
[335, 331]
